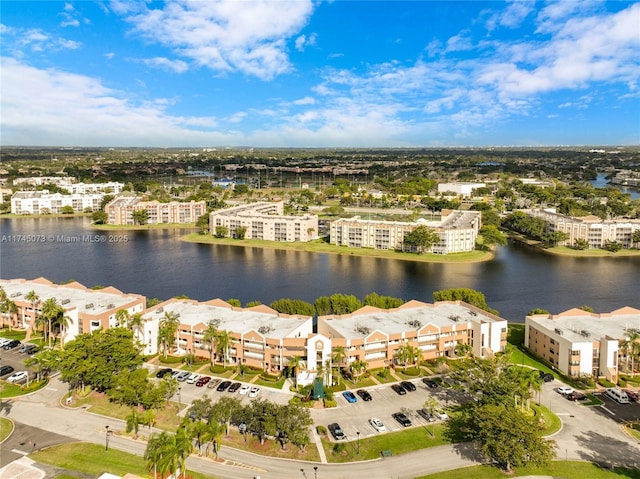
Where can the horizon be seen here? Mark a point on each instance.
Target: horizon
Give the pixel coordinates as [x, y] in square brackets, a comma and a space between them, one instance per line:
[320, 75]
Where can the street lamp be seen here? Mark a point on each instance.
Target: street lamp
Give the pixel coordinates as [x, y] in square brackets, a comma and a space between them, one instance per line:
[179, 397]
[107, 433]
[358, 434]
[302, 471]
[315, 472]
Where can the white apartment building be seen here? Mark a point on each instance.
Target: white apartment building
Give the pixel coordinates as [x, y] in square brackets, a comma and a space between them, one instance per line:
[44, 180]
[265, 221]
[459, 188]
[112, 187]
[43, 202]
[579, 343]
[593, 229]
[120, 211]
[458, 231]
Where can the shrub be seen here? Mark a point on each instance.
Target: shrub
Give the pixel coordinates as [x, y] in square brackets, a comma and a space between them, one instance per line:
[330, 402]
[339, 448]
[269, 377]
[604, 382]
[622, 383]
[321, 430]
[412, 372]
[171, 359]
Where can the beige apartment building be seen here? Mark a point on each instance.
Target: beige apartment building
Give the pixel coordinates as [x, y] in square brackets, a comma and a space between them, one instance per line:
[87, 309]
[458, 231]
[593, 229]
[265, 221]
[43, 202]
[120, 211]
[578, 343]
[374, 335]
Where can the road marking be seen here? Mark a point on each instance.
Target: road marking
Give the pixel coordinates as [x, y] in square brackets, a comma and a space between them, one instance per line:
[608, 410]
[18, 451]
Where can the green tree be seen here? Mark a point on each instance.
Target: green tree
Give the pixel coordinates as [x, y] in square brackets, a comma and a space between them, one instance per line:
[631, 344]
[157, 452]
[133, 422]
[225, 409]
[581, 244]
[491, 236]
[44, 362]
[537, 311]
[202, 223]
[470, 296]
[99, 217]
[140, 217]
[294, 307]
[240, 232]
[67, 210]
[421, 239]
[295, 365]
[382, 302]
[358, 368]
[51, 312]
[210, 335]
[167, 329]
[222, 232]
[635, 238]
[223, 341]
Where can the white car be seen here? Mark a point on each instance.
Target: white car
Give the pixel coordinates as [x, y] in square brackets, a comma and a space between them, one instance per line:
[377, 424]
[443, 416]
[564, 390]
[193, 378]
[244, 389]
[254, 392]
[17, 377]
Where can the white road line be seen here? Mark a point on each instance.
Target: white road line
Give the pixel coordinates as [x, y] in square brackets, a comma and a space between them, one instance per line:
[608, 410]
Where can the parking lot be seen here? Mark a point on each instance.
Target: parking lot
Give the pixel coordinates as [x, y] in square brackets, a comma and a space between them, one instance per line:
[11, 357]
[618, 412]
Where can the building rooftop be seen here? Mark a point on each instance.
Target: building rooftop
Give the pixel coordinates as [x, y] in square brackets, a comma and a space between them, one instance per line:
[577, 325]
[262, 319]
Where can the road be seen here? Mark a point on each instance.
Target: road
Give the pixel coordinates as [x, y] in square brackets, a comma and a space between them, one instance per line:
[586, 435]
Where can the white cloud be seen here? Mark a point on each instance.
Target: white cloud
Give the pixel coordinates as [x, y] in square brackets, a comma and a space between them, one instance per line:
[225, 36]
[307, 100]
[303, 41]
[512, 16]
[177, 66]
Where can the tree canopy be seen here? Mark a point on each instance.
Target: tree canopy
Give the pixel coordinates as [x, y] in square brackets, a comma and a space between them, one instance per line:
[470, 296]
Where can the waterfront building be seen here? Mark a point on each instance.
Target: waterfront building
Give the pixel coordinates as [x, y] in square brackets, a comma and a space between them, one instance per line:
[44, 180]
[87, 309]
[43, 202]
[596, 231]
[259, 337]
[376, 335]
[579, 343]
[120, 211]
[458, 231]
[459, 188]
[265, 221]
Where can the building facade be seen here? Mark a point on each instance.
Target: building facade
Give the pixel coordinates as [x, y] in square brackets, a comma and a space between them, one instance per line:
[458, 231]
[120, 211]
[265, 221]
[578, 343]
[43, 202]
[462, 189]
[596, 231]
[375, 335]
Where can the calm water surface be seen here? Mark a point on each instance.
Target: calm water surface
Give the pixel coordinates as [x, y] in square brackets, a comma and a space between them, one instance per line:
[158, 264]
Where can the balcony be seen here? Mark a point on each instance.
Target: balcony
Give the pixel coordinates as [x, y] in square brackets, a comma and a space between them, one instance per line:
[374, 356]
[252, 355]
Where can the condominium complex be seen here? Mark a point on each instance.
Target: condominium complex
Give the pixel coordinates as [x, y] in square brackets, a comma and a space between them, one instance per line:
[596, 231]
[458, 231]
[375, 335]
[579, 343]
[87, 309]
[120, 211]
[463, 189]
[68, 183]
[43, 202]
[264, 221]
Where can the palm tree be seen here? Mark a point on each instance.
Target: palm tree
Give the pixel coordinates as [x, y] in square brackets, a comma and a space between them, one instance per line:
[34, 299]
[632, 346]
[212, 436]
[51, 311]
[168, 328]
[62, 323]
[133, 421]
[122, 317]
[339, 355]
[223, 341]
[210, 335]
[358, 368]
[296, 363]
[156, 453]
[135, 323]
[7, 306]
[182, 448]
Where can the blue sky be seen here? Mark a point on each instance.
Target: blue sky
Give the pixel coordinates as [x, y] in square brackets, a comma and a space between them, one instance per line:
[319, 74]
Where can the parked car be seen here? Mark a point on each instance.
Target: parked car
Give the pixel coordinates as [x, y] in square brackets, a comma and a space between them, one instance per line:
[426, 415]
[398, 389]
[193, 378]
[234, 387]
[377, 424]
[402, 419]
[4, 370]
[565, 390]
[4, 341]
[253, 393]
[203, 381]
[164, 372]
[632, 395]
[409, 386]
[336, 431]
[11, 344]
[430, 382]
[182, 376]
[546, 377]
[244, 389]
[443, 416]
[30, 349]
[349, 396]
[364, 395]
[22, 349]
[576, 396]
[213, 383]
[223, 385]
[17, 377]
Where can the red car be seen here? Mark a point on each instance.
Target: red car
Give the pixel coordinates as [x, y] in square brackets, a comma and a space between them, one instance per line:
[202, 381]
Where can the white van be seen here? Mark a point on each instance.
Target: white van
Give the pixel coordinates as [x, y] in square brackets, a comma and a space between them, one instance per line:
[617, 394]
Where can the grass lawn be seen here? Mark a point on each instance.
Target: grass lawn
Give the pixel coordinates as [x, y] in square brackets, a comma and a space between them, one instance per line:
[269, 448]
[321, 246]
[6, 428]
[93, 459]
[382, 376]
[564, 469]
[270, 384]
[634, 430]
[13, 334]
[399, 442]
[9, 390]
[551, 421]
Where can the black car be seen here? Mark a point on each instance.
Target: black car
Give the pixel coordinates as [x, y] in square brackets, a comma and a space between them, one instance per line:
[430, 382]
[234, 387]
[426, 415]
[409, 386]
[402, 419]
[398, 389]
[336, 431]
[364, 395]
[4, 370]
[546, 377]
[223, 385]
[164, 372]
[12, 344]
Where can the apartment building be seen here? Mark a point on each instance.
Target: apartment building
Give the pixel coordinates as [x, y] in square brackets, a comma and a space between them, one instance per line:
[458, 231]
[592, 229]
[43, 202]
[260, 337]
[44, 180]
[87, 309]
[265, 221]
[579, 343]
[375, 335]
[459, 188]
[120, 211]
